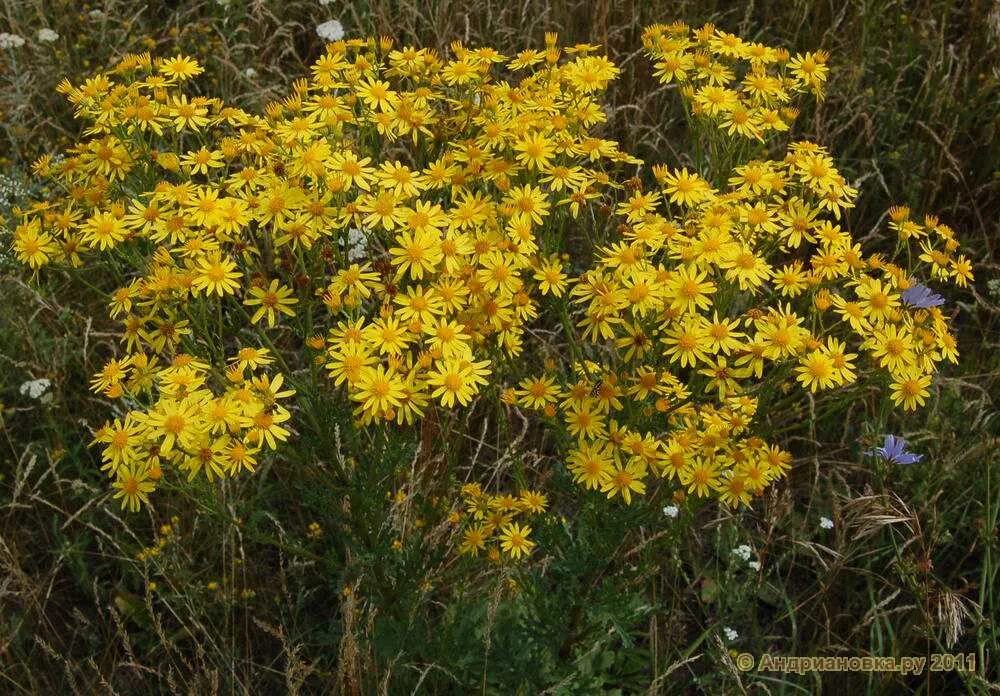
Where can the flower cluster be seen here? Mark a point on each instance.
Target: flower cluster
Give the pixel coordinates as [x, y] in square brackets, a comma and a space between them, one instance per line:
[704, 297]
[745, 88]
[8, 40]
[168, 535]
[193, 426]
[443, 172]
[13, 189]
[423, 228]
[492, 522]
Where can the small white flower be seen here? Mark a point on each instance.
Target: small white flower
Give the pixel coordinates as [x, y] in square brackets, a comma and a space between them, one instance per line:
[671, 511]
[96, 14]
[754, 564]
[250, 73]
[826, 523]
[10, 40]
[731, 634]
[743, 551]
[46, 35]
[34, 388]
[332, 30]
[357, 244]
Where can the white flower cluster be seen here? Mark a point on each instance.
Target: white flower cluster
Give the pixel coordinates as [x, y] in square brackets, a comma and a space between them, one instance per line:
[12, 192]
[731, 634]
[746, 553]
[10, 40]
[46, 35]
[357, 244]
[993, 285]
[35, 388]
[332, 30]
[671, 511]
[743, 551]
[826, 523]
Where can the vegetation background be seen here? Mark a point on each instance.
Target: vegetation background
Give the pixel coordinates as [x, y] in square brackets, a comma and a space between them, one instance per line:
[242, 597]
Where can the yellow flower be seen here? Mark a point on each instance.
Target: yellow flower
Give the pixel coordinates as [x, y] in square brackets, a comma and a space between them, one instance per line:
[180, 67]
[585, 422]
[104, 230]
[534, 150]
[625, 480]
[378, 390]
[417, 252]
[536, 392]
[201, 161]
[685, 188]
[816, 371]
[271, 302]
[265, 427]
[452, 382]
[699, 475]
[590, 464]
[188, 114]
[892, 347]
[515, 541]
[426, 255]
[910, 389]
[132, 487]
[474, 540]
[174, 423]
[551, 278]
[32, 246]
[217, 275]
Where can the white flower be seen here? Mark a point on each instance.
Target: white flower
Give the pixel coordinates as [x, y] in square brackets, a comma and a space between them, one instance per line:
[330, 31]
[10, 40]
[731, 635]
[743, 551]
[754, 564]
[671, 511]
[46, 35]
[250, 73]
[34, 388]
[357, 244]
[826, 523]
[96, 14]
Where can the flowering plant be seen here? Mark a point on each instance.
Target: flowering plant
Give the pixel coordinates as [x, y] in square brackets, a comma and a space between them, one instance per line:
[406, 230]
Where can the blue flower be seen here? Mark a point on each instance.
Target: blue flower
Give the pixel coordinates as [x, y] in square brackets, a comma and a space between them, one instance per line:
[894, 451]
[922, 297]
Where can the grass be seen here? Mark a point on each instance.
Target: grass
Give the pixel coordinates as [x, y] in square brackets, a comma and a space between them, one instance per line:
[248, 600]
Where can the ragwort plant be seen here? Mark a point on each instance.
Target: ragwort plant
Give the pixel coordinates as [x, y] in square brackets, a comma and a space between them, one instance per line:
[409, 231]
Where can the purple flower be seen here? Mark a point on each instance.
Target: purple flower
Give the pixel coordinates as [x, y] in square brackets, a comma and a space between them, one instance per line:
[922, 297]
[894, 451]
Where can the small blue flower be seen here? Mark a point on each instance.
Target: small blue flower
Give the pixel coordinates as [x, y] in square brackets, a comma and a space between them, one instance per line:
[922, 297]
[894, 451]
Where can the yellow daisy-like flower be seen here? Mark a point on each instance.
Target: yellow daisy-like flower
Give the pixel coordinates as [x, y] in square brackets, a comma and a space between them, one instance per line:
[133, 486]
[180, 67]
[515, 540]
[271, 301]
[217, 275]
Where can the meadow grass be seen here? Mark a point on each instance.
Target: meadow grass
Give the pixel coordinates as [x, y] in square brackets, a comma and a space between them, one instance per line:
[241, 595]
